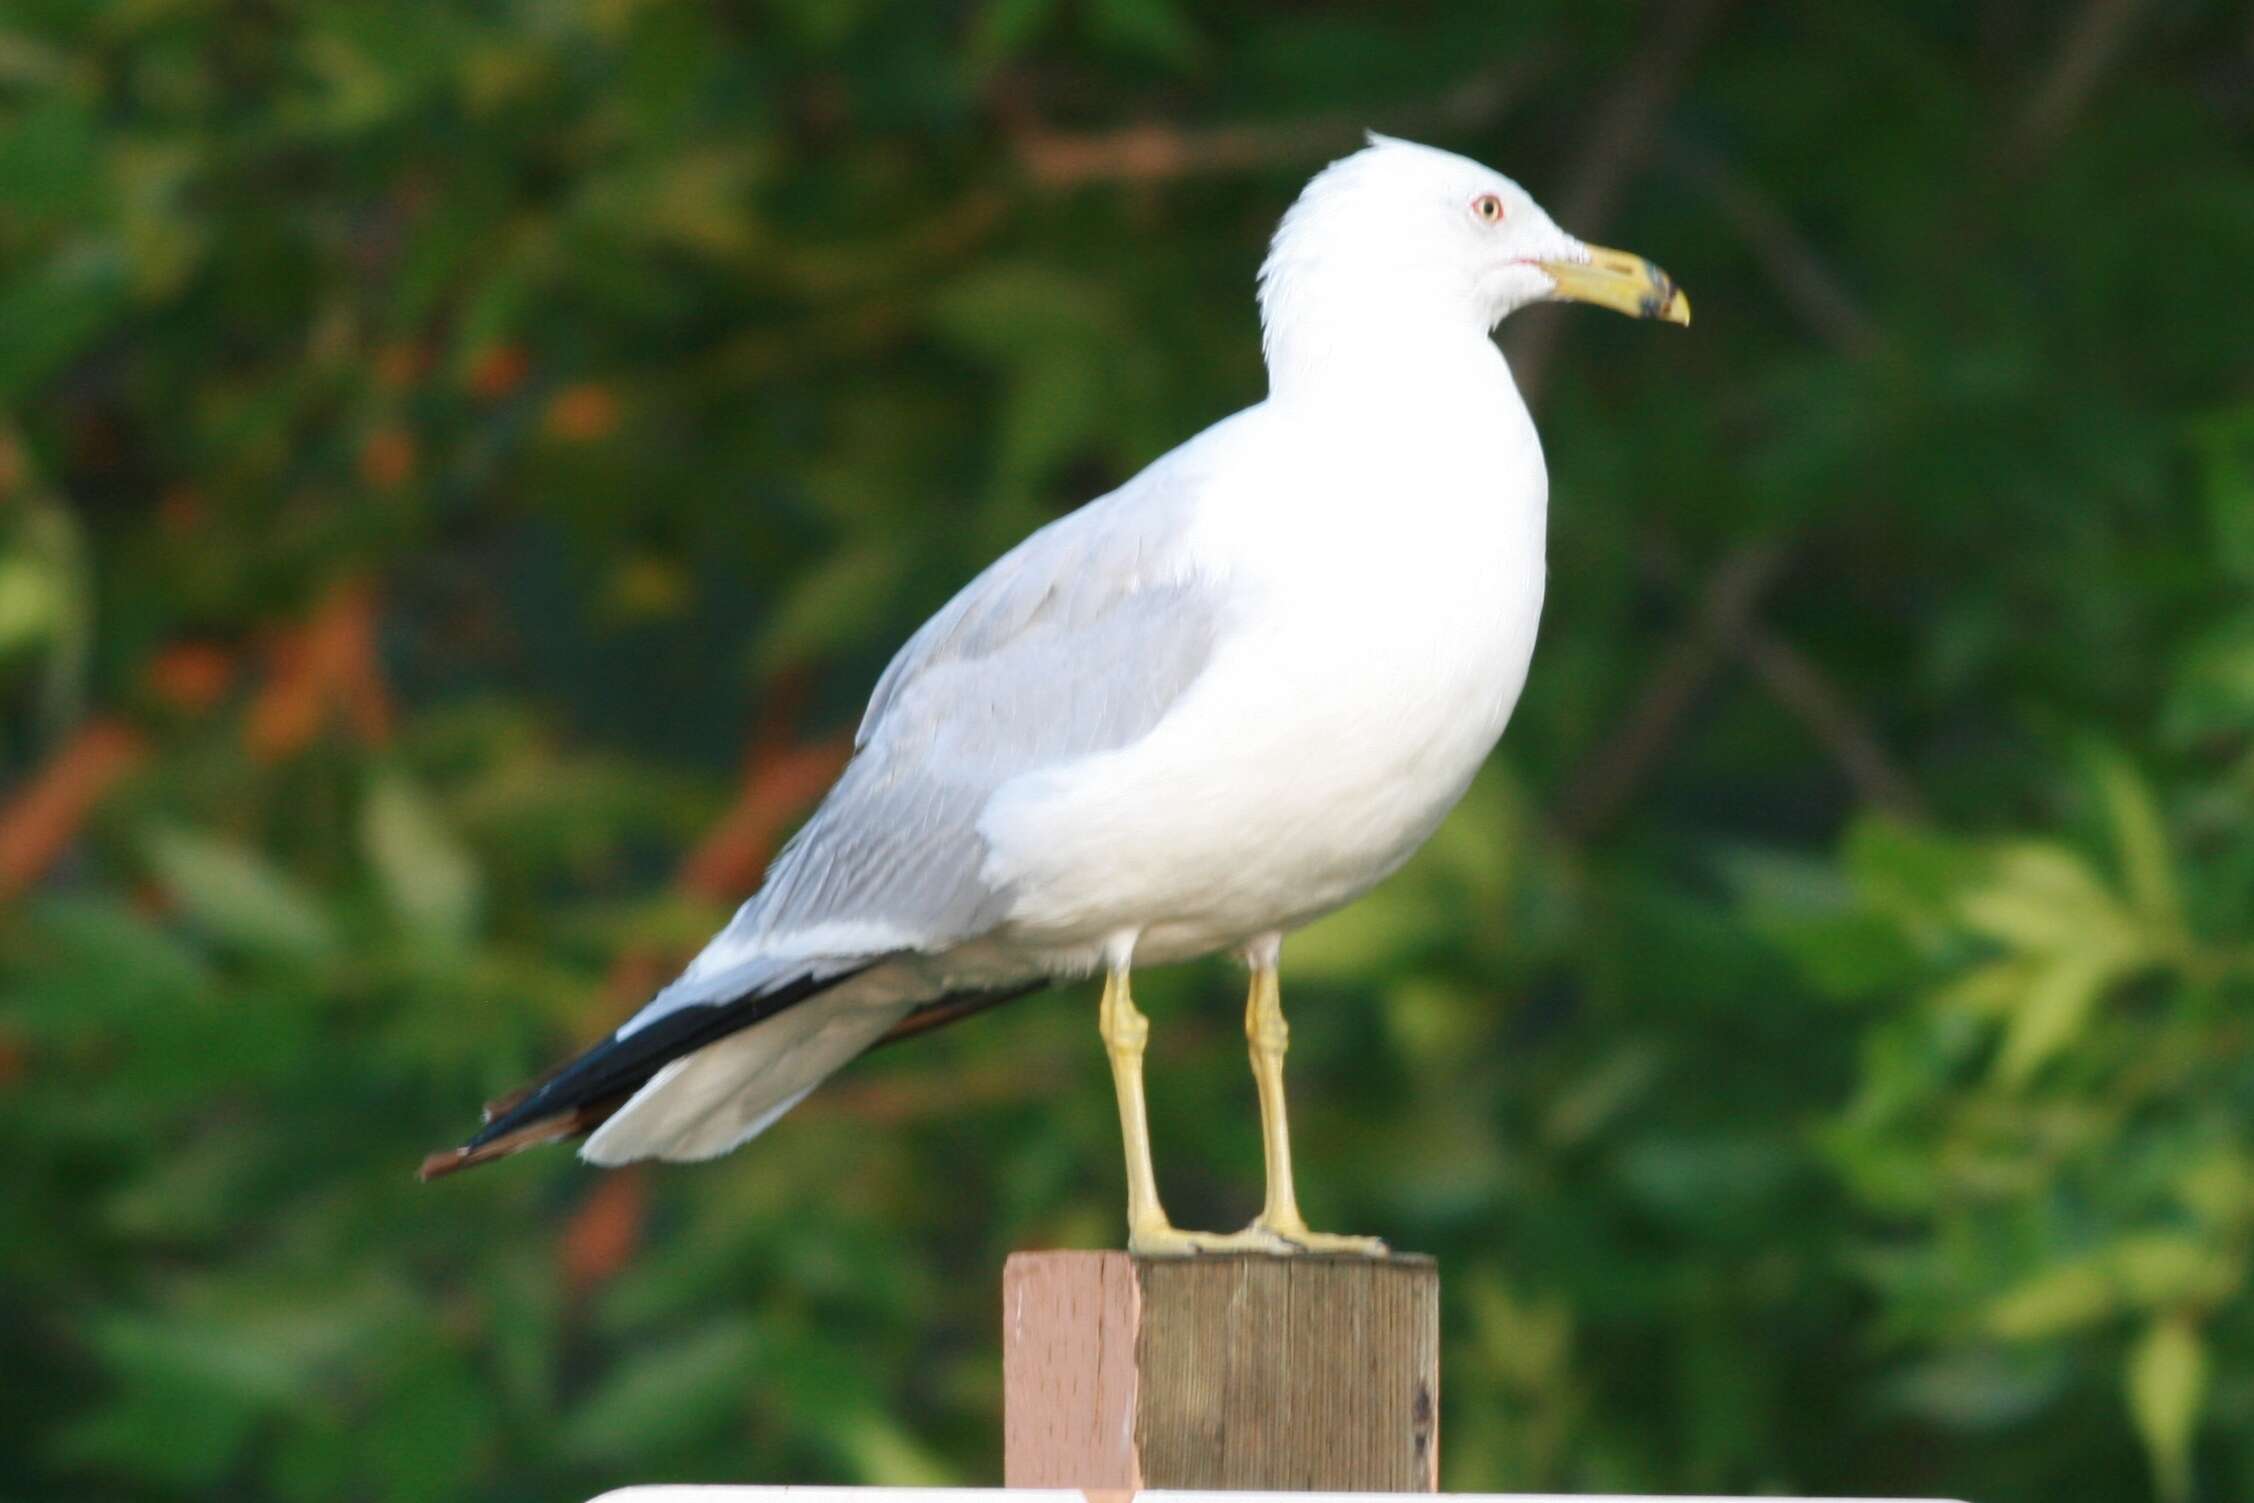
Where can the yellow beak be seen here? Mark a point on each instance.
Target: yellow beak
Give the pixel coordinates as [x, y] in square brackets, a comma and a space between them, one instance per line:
[1627, 284]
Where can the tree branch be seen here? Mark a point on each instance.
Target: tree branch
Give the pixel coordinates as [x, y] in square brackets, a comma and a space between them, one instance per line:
[2092, 42]
[1592, 800]
[1805, 283]
[1829, 715]
[1155, 151]
[1614, 150]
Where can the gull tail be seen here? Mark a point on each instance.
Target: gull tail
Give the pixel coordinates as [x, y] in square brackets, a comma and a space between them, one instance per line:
[588, 1091]
[696, 1081]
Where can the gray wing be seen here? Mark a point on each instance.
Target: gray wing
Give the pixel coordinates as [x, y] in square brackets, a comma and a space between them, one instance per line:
[1076, 642]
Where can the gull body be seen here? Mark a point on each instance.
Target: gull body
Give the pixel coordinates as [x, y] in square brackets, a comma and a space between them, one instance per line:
[1189, 717]
[1385, 570]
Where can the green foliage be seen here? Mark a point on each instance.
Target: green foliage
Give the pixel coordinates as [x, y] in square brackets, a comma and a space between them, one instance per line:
[436, 441]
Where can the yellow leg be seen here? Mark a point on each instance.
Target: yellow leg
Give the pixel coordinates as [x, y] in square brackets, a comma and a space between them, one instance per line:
[1149, 1234]
[1270, 1036]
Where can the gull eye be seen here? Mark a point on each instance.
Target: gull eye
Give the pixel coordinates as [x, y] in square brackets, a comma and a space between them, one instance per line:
[1488, 207]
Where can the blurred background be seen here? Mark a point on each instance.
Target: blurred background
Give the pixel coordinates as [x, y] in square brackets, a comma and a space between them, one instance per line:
[462, 468]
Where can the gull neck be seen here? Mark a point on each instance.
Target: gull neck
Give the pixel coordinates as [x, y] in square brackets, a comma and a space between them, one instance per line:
[1380, 364]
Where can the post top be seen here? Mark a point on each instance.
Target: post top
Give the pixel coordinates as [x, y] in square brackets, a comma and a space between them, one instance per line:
[1202, 1260]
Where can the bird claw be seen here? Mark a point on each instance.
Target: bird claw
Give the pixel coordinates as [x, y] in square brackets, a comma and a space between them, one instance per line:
[1172, 1242]
[1301, 1241]
[1331, 1244]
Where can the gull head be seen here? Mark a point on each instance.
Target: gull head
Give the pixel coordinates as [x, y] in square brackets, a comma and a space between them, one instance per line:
[1401, 235]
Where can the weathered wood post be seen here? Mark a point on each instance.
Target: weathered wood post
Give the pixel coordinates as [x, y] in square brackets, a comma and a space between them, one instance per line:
[1252, 1372]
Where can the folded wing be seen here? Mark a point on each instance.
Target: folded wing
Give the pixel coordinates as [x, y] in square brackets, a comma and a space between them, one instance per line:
[1077, 642]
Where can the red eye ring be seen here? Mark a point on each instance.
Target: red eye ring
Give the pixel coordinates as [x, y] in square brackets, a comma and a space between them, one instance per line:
[1488, 208]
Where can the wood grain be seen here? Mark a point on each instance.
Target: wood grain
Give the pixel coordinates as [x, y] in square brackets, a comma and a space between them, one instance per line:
[1224, 1372]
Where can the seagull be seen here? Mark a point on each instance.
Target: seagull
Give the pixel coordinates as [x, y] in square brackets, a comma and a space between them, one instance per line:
[1193, 715]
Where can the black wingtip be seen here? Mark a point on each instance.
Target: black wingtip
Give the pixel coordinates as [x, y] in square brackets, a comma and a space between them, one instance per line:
[576, 1097]
[487, 1146]
[581, 1094]
[440, 1164]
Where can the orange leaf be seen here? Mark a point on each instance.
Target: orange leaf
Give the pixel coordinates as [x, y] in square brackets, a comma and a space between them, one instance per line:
[398, 366]
[583, 413]
[190, 676]
[46, 814]
[15, 471]
[181, 510]
[325, 667]
[602, 1235]
[387, 459]
[497, 370]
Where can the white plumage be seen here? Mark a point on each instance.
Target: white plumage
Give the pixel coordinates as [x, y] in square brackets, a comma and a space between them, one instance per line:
[1208, 707]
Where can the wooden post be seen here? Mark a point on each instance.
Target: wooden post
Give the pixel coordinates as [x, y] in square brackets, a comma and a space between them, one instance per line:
[1286, 1374]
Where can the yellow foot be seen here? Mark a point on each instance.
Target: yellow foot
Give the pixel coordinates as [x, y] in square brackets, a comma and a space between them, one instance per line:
[1298, 1239]
[1163, 1241]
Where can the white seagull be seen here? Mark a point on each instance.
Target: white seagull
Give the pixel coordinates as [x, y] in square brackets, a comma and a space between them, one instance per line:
[1191, 716]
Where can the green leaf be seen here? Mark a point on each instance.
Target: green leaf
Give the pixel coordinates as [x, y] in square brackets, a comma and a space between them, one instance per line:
[120, 966]
[1433, 1022]
[54, 312]
[34, 601]
[437, 1417]
[885, 1454]
[1364, 938]
[667, 1393]
[1158, 29]
[1913, 875]
[2164, 1269]
[1481, 843]
[181, 1437]
[2141, 837]
[2049, 1016]
[2218, 1188]
[1988, 991]
[824, 607]
[1038, 327]
[49, 161]
[1809, 909]
[2044, 898]
[2224, 444]
[205, 1353]
[188, 1394]
[2211, 692]
[2167, 1384]
[1007, 28]
[1984, 1388]
[429, 880]
[2060, 1299]
[236, 897]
